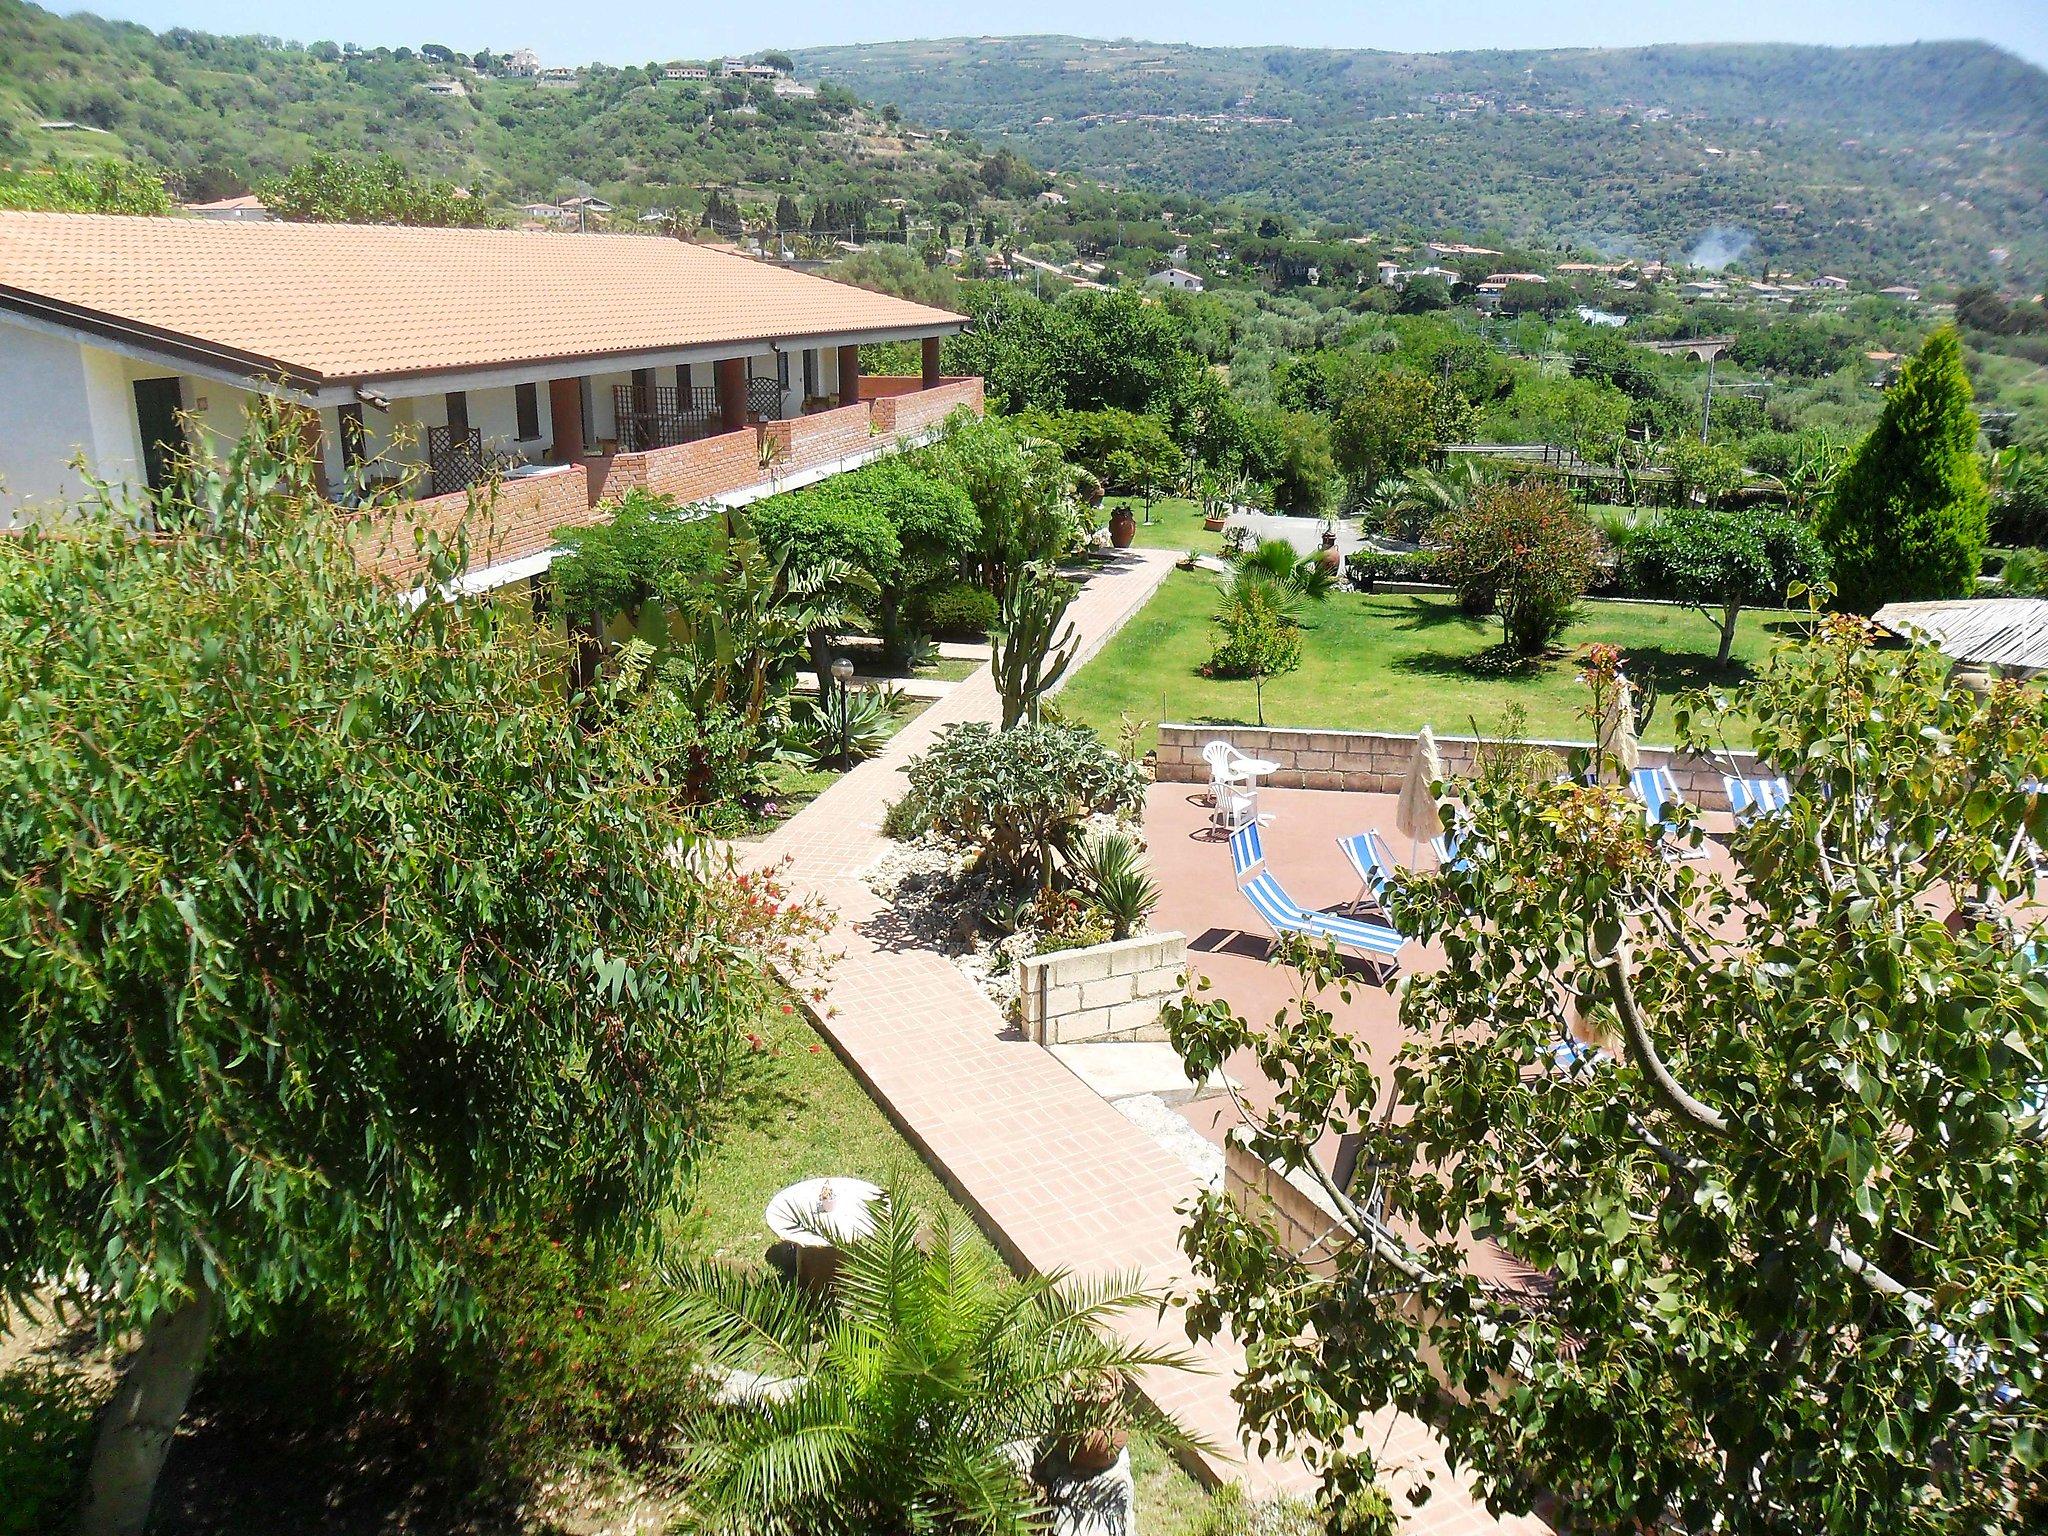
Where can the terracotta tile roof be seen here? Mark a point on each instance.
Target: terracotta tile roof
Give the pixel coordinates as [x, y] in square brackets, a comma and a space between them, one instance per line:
[337, 302]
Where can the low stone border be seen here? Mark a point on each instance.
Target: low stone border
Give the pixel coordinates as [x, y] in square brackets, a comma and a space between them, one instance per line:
[1108, 991]
[1377, 761]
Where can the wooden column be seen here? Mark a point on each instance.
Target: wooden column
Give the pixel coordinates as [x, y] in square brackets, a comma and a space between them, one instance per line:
[730, 374]
[931, 362]
[565, 417]
[849, 375]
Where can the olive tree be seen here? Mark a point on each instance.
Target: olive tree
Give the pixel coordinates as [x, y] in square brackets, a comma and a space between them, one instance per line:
[1762, 1139]
[325, 930]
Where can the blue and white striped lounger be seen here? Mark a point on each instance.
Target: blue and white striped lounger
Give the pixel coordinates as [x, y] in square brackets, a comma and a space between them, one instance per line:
[1756, 797]
[1658, 791]
[1284, 915]
[1367, 853]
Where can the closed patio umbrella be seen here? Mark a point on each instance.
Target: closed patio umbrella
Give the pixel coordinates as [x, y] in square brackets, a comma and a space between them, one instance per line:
[1618, 734]
[1416, 811]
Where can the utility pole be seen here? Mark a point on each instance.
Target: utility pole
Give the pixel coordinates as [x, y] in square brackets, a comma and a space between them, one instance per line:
[1707, 404]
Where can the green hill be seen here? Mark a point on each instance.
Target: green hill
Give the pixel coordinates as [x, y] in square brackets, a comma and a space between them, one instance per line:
[219, 113]
[1926, 161]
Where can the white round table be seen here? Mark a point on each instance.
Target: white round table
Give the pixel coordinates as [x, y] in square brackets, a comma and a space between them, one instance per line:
[817, 1215]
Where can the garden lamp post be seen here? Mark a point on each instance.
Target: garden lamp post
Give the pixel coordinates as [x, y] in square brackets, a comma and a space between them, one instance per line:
[842, 677]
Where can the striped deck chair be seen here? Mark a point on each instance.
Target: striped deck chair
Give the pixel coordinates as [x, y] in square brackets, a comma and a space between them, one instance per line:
[1367, 854]
[1755, 797]
[1378, 944]
[1658, 791]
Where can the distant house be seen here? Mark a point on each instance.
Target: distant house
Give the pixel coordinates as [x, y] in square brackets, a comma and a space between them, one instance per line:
[558, 75]
[1437, 250]
[790, 90]
[1703, 289]
[1904, 292]
[522, 61]
[684, 72]
[445, 88]
[1504, 278]
[740, 69]
[1177, 278]
[1390, 273]
[1602, 317]
[246, 209]
[1829, 283]
[544, 213]
[1053, 199]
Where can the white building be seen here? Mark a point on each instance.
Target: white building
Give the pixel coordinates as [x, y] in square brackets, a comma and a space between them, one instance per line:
[522, 61]
[559, 75]
[1177, 278]
[740, 69]
[1829, 283]
[790, 90]
[685, 72]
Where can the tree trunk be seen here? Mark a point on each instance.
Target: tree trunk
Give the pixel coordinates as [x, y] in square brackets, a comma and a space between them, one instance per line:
[136, 1427]
[1728, 618]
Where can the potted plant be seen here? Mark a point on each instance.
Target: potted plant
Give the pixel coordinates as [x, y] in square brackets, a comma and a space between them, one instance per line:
[1123, 527]
[1100, 1439]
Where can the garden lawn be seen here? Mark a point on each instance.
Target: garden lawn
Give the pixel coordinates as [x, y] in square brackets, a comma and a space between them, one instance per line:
[1395, 663]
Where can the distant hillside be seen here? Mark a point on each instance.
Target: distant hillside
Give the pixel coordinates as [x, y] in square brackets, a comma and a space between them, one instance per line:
[220, 112]
[1927, 160]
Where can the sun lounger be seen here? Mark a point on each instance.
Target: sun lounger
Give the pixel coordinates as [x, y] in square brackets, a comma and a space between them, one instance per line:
[1367, 853]
[1284, 915]
[1658, 791]
[1755, 797]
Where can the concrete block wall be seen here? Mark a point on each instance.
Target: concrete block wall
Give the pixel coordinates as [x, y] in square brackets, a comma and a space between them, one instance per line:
[1377, 761]
[696, 471]
[520, 519]
[1104, 992]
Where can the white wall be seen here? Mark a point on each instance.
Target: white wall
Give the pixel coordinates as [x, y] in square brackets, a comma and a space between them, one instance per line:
[59, 400]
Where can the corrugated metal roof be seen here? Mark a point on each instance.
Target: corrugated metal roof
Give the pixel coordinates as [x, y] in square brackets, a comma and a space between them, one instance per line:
[349, 301]
[2009, 632]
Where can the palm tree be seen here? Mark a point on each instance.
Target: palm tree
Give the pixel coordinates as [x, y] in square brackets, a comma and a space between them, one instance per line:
[1275, 560]
[896, 1401]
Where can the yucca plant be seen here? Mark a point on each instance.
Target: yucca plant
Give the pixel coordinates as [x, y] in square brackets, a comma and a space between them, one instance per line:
[890, 1403]
[1113, 870]
[843, 730]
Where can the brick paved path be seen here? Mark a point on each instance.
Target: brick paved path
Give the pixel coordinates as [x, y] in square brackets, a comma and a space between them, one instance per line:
[1056, 1176]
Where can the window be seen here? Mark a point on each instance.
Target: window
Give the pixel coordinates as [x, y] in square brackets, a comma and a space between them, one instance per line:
[782, 369]
[458, 412]
[526, 403]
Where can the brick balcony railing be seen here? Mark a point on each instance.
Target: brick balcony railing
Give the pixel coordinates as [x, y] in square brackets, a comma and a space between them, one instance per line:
[521, 519]
[529, 510]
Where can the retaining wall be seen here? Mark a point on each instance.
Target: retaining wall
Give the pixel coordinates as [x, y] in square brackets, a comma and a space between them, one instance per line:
[1377, 761]
[695, 471]
[1104, 992]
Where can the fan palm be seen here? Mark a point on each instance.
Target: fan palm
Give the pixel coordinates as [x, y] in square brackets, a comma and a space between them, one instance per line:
[1275, 560]
[897, 1401]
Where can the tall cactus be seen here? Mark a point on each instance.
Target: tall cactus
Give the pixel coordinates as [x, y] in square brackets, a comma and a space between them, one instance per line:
[1030, 652]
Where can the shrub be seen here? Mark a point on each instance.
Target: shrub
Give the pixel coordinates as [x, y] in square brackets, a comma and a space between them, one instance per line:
[618, 567]
[46, 1420]
[1113, 871]
[710, 757]
[2019, 498]
[1706, 473]
[1016, 796]
[1259, 637]
[1522, 551]
[962, 610]
[1363, 568]
[1907, 517]
[1062, 920]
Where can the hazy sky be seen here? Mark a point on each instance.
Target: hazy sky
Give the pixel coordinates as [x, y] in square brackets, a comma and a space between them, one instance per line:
[634, 31]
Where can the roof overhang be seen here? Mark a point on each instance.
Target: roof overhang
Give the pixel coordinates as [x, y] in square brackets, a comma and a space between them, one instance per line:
[228, 365]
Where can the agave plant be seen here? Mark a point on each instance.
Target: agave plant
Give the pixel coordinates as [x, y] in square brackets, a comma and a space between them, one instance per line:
[892, 1402]
[849, 727]
[1113, 870]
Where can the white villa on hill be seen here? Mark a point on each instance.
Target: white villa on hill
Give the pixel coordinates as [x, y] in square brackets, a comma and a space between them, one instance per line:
[577, 364]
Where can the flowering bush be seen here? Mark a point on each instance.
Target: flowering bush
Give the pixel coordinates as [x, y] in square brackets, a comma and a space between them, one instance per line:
[1520, 550]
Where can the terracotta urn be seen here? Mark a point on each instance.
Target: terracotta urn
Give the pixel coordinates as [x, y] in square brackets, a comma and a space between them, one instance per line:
[1123, 527]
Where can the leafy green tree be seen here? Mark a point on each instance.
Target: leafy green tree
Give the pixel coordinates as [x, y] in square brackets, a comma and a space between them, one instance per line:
[1722, 562]
[339, 189]
[899, 1394]
[95, 186]
[1257, 634]
[1018, 487]
[1697, 1197]
[1907, 519]
[325, 929]
[1390, 424]
[1296, 460]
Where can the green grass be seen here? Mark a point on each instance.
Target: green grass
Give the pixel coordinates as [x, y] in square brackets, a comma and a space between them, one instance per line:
[1176, 524]
[1394, 663]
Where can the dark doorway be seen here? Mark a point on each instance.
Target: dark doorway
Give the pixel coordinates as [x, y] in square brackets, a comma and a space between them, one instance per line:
[157, 403]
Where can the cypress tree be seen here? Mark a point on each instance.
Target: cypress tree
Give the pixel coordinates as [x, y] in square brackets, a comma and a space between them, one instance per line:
[1907, 518]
